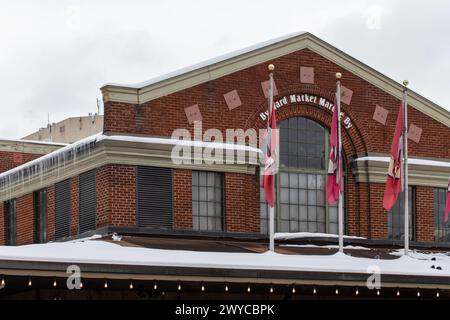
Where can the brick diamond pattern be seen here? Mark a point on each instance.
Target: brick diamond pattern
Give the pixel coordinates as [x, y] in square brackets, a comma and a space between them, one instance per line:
[414, 133]
[232, 99]
[265, 88]
[193, 113]
[380, 115]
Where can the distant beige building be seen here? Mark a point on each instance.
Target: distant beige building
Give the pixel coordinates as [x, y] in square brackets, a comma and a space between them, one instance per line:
[69, 130]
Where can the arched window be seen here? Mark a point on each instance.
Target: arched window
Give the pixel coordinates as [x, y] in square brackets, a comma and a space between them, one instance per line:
[301, 182]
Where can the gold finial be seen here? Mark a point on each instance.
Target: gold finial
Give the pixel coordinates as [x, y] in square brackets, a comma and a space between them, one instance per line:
[338, 75]
[405, 82]
[271, 67]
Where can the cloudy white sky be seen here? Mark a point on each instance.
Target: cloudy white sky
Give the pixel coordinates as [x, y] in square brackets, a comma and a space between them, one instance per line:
[55, 55]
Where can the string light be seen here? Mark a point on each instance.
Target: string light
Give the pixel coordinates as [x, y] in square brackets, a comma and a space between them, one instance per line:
[357, 291]
[81, 285]
[106, 284]
[55, 283]
[226, 287]
[30, 283]
[203, 287]
[437, 294]
[418, 293]
[398, 292]
[179, 287]
[271, 289]
[293, 289]
[337, 291]
[155, 286]
[131, 285]
[248, 288]
[314, 291]
[3, 282]
[378, 292]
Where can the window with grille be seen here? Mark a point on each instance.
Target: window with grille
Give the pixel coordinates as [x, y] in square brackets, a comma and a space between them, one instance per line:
[441, 227]
[154, 191]
[87, 202]
[301, 182]
[40, 216]
[207, 201]
[62, 209]
[396, 217]
[10, 222]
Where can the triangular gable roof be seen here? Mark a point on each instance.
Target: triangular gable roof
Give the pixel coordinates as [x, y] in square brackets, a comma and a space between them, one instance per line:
[260, 53]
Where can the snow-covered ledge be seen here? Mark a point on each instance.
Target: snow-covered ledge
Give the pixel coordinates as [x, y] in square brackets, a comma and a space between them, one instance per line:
[99, 150]
[422, 172]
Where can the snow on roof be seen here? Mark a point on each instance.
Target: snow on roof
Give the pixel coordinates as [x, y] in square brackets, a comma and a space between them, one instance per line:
[190, 143]
[207, 63]
[417, 161]
[102, 252]
[86, 145]
[57, 154]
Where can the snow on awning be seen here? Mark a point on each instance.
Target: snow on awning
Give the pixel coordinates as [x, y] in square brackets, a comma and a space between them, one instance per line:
[112, 253]
[84, 147]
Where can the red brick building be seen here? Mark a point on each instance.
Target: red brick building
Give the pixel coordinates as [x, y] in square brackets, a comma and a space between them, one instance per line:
[126, 179]
[142, 178]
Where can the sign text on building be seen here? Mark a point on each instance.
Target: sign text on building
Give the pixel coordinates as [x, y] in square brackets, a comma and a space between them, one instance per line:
[310, 99]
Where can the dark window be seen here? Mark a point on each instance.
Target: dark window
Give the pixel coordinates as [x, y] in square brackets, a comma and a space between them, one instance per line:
[40, 216]
[207, 204]
[154, 197]
[62, 209]
[87, 202]
[302, 144]
[396, 217]
[10, 222]
[441, 228]
[301, 182]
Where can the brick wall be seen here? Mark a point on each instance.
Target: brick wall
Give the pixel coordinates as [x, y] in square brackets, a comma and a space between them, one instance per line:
[103, 196]
[25, 220]
[424, 214]
[9, 160]
[123, 191]
[365, 214]
[182, 199]
[74, 183]
[241, 204]
[167, 113]
[377, 217]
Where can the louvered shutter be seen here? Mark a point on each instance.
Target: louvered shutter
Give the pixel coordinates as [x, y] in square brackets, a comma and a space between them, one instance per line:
[154, 197]
[62, 209]
[87, 202]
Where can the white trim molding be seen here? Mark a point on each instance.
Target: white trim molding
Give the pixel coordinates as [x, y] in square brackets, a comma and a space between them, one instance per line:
[422, 172]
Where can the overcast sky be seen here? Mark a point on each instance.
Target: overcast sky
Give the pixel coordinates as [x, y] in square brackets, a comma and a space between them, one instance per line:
[55, 55]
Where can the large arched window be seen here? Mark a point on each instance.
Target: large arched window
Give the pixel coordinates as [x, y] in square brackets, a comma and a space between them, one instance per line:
[301, 183]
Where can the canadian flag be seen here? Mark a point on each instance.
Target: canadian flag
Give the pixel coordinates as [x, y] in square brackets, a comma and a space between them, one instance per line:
[334, 177]
[447, 207]
[394, 178]
[270, 168]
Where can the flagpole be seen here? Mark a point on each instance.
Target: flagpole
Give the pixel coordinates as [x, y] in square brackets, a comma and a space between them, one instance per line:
[405, 165]
[271, 67]
[340, 202]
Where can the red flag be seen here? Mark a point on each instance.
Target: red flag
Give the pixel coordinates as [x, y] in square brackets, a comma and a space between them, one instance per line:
[334, 177]
[447, 207]
[394, 178]
[268, 182]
